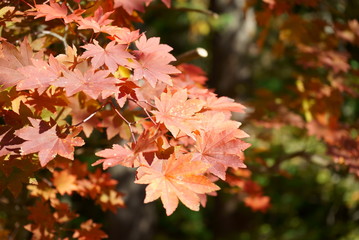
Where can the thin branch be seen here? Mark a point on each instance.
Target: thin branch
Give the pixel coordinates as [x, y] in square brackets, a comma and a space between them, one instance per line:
[144, 109]
[91, 115]
[149, 116]
[62, 39]
[191, 55]
[59, 114]
[126, 121]
[145, 101]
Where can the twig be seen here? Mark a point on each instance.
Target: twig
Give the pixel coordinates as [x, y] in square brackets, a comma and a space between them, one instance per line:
[59, 114]
[149, 116]
[191, 55]
[126, 121]
[91, 115]
[62, 39]
[144, 109]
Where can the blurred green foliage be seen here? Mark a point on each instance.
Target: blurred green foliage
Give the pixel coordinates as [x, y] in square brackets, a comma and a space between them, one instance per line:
[311, 196]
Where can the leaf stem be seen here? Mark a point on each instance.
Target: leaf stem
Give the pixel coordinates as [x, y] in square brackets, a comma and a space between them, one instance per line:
[126, 121]
[59, 114]
[144, 109]
[91, 115]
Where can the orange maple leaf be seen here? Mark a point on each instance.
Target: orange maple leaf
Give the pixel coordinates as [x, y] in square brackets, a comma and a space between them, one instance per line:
[89, 230]
[258, 203]
[176, 178]
[177, 113]
[65, 182]
[221, 149]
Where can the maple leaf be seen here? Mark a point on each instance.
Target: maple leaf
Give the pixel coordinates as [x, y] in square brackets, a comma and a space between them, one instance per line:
[47, 143]
[132, 5]
[62, 212]
[11, 59]
[65, 182]
[153, 67]
[152, 61]
[257, 203]
[97, 22]
[44, 221]
[52, 11]
[153, 45]
[96, 184]
[40, 74]
[126, 90]
[176, 178]
[89, 230]
[55, 10]
[110, 200]
[224, 104]
[221, 149]
[92, 83]
[42, 190]
[112, 55]
[191, 74]
[176, 112]
[129, 157]
[16, 172]
[117, 155]
[220, 121]
[70, 58]
[46, 100]
[9, 143]
[122, 35]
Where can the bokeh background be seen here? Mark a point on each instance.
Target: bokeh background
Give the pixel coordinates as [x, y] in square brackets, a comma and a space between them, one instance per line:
[294, 64]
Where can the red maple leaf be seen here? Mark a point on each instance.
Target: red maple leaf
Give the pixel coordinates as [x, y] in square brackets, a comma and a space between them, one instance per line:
[112, 55]
[176, 178]
[126, 90]
[47, 143]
